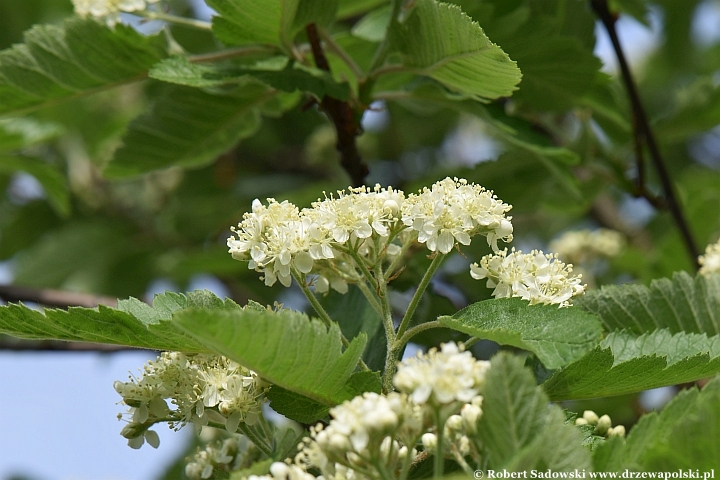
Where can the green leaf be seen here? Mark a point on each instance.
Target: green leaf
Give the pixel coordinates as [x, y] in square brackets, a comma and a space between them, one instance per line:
[52, 181]
[242, 22]
[285, 347]
[683, 436]
[355, 316]
[133, 323]
[271, 22]
[373, 26]
[627, 363]
[556, 71]
[76, 58]
[519, 429]
[188, 127]
[440, 41]
[306, 410]
[17, 133]
[680, 304]
[353, 8]
[558, 336]
[296, 14]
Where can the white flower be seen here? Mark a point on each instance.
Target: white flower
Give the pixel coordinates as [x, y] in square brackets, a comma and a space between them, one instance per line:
[454, 211]
[441, 377]
[109, 10]
[536, 277]
[710, 262]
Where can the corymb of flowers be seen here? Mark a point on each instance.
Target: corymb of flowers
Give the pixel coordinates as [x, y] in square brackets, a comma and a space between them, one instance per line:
[344, 238]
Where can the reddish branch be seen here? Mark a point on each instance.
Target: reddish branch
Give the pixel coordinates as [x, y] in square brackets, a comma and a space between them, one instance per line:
[342, 115]
[644, 134]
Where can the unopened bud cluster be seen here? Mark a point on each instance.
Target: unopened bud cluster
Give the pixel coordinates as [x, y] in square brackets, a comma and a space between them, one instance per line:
[603, 425]
[710, 261]
[178, 389]
[109, 10]
[535, 276]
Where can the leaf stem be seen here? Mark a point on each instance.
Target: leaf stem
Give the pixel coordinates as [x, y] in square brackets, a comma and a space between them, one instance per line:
[439, 460]
[335, 48]
[187, 22]
[260, 442]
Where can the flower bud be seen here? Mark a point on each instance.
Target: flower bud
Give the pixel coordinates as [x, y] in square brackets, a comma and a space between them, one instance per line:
[603, 425]
[590, 417]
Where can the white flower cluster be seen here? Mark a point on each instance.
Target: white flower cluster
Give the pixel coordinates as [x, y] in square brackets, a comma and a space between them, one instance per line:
[535, 276]
[109, 10]
[584, 246]
[453, 210]
[441, 377]
[710, 262]
[221, 453]
[280, 240]
[368, 430]
[202, 389]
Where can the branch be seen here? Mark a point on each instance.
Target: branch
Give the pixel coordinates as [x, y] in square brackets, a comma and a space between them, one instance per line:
[343, 116]
[643, 132]
[54, 298]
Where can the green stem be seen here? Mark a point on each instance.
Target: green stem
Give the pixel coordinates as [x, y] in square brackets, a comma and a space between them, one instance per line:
[396, 261]
[188, 22]
[415, 301]
[402, 341]
[260, 442]
[319, 309]
[439, 460]
[370, 296]
[232, 53]
[470, 342]
[335, 48]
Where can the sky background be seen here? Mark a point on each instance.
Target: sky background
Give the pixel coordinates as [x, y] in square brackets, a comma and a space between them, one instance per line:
[58, 411]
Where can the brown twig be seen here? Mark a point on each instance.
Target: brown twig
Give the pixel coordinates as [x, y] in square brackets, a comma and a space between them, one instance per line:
[54, 298]
[343, 116]
[644, 134]
[22, 345]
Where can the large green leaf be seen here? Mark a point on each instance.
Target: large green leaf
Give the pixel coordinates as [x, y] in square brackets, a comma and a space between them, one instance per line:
[133, 323]
[270, 22]
[79, 57]
[188, 127]
[685, 435]
[440, 41]
[558, 336]
[284, 347]
[627, 363]
[306, 410]
[680, 304]
[519, 429]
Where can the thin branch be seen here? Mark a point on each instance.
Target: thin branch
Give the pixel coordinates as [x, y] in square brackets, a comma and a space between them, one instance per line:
[54, 298]
[166, 17]
[644, 132]
[343, 116]
[13, 344]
